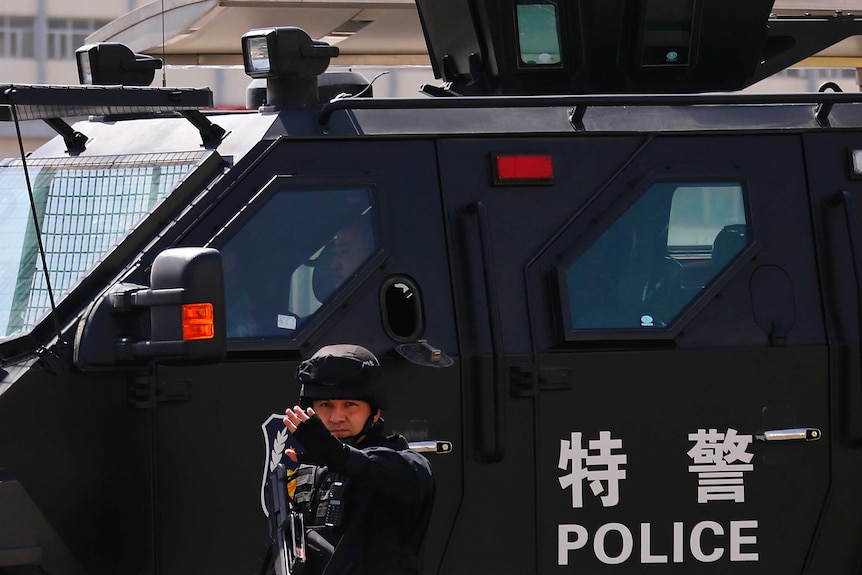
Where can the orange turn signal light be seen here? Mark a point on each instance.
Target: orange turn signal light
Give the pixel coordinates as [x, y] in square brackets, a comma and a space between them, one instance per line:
[198, 321]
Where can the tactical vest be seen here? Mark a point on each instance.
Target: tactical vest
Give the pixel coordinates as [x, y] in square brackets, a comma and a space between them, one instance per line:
[323, 496]
[317, 488]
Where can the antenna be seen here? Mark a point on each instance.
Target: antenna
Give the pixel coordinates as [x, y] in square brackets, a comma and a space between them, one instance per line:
[34, 212]
[164, 50]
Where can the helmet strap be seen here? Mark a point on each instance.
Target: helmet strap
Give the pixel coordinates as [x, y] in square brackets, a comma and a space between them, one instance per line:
[353, 440]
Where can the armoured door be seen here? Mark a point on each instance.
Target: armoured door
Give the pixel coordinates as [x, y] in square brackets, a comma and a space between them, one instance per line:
[323, 242]
[650, 361]
[834, 170]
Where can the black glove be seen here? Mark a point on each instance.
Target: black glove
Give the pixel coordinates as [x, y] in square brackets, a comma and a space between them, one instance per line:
[321, 447]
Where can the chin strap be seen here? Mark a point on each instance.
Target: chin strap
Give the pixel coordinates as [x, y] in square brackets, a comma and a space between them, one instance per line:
[370, 425]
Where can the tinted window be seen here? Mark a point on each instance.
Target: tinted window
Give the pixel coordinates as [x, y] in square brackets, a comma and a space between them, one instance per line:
[291, 254]
[667, 30]
[655, 258]
[538, 32]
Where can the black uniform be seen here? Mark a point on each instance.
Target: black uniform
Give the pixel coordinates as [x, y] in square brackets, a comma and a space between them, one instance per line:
[374, 499]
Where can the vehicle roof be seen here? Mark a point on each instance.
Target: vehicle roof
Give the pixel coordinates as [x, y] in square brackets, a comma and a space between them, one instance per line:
[164, 135]
[207, 32]
[592, 114]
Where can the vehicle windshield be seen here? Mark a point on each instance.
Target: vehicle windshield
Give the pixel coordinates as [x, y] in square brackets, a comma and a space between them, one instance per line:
[85, 207]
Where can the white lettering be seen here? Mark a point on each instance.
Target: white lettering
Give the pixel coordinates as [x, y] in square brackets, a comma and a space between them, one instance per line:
[599, 543]
[720, 460]
[598, 465]
[696, 543]
[646, 551]
[707, 541]
[565, 544]
[737, 540]
[678, 536]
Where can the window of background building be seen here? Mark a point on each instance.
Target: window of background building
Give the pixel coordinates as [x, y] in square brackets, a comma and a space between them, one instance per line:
[16, 37]
[65, 36]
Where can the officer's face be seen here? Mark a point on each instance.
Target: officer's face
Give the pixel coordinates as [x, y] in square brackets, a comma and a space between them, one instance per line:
[343, 417]
[352, 246]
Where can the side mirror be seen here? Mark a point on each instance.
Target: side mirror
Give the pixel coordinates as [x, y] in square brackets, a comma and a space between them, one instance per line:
[180, 318]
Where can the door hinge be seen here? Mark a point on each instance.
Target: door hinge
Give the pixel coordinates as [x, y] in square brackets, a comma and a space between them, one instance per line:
[144, 392]
[556, 379]
[524, 381]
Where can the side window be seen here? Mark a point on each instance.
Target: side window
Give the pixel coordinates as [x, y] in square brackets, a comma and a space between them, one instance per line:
[291, 254]
[656, 258]
[538, 33]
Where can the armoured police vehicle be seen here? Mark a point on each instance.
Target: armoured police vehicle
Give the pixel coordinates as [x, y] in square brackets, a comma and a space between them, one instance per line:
[617, 304]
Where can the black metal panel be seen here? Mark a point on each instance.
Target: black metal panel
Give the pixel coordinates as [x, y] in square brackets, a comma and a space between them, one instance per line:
[721, 369]
[600, 113]
[211, 449]
[830, 177]
[604, 46]
[85, 459]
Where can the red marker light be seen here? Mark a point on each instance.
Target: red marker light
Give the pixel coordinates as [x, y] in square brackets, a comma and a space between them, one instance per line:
[198, 321]
[524, 168]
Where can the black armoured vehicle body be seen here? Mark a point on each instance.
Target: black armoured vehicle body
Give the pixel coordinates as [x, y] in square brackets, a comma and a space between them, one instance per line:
[617, 301]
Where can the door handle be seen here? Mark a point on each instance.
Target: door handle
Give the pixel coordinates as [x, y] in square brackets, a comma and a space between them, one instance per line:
[795, 434]
[853, 234]
[439, 447]
[490, 410]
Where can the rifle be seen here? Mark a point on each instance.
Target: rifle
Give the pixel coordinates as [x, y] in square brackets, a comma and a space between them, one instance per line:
[286, 526]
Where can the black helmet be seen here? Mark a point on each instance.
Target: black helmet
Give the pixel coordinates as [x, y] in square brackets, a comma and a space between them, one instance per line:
[340, 372]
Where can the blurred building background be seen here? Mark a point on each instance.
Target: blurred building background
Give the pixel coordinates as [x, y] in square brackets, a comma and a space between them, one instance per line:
[38, 39]
[37, 45]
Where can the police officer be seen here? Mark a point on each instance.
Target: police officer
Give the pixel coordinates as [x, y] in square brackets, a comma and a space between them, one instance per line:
[366, 498]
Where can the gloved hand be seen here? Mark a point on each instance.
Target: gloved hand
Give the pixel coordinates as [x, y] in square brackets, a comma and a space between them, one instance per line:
[321, 447]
